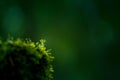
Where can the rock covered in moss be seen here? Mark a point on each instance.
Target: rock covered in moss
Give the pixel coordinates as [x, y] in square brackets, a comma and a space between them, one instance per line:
[25, 60]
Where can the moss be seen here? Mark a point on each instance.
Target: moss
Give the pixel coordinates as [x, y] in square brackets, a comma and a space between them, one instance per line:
[25, 60]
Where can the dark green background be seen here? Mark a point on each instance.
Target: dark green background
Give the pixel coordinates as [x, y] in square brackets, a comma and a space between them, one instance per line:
[83, 34]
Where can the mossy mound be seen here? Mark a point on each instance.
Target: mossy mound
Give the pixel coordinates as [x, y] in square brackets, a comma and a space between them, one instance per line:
[25, 60]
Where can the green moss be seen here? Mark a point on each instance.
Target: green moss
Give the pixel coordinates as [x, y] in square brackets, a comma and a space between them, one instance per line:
[25, 60]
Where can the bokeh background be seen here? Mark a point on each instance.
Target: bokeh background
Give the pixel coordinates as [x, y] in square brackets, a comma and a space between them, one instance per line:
[83, 34]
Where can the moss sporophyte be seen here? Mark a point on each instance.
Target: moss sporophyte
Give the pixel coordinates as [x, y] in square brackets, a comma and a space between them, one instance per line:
[25, 60]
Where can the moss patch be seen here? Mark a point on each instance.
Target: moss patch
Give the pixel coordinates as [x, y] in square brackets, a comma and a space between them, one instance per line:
[25, 60]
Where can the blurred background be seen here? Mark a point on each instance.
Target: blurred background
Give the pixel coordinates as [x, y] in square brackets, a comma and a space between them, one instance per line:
[83, 34]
